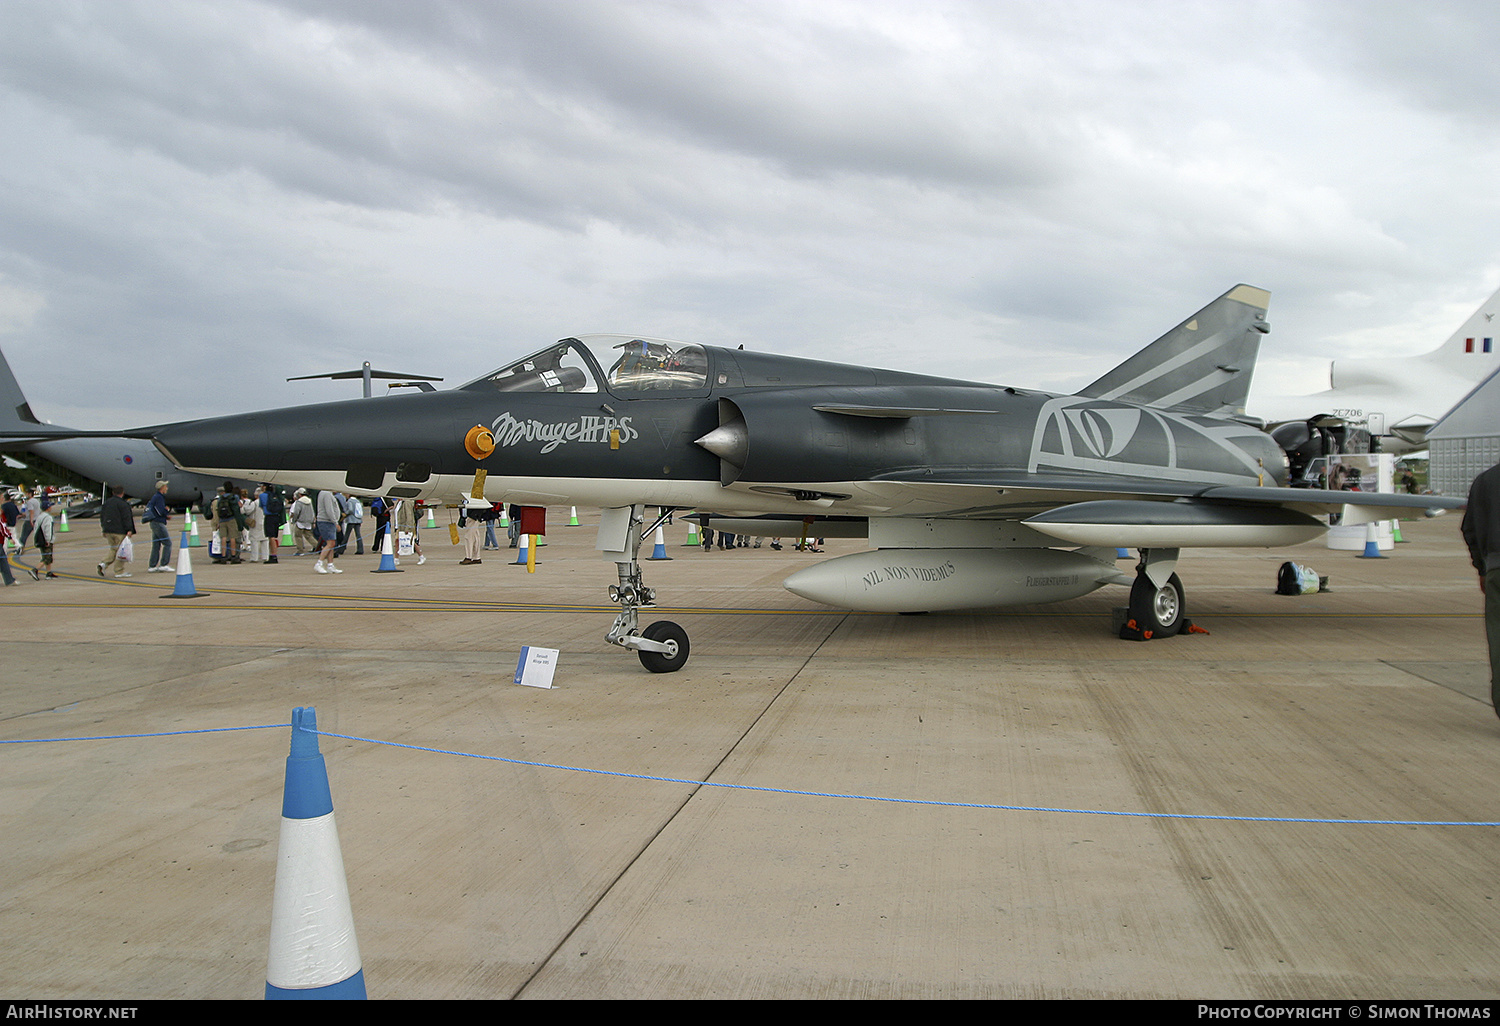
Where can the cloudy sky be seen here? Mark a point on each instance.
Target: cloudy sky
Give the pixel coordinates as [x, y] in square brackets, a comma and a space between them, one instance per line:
[200, 199]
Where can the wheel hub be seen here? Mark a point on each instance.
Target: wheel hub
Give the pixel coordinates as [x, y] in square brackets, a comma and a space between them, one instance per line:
[1165, 604]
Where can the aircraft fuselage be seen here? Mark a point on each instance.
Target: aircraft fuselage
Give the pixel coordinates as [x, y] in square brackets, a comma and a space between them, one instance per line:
[743, 433]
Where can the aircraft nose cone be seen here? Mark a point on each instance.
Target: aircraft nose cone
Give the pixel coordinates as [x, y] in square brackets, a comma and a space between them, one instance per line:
[730, 442]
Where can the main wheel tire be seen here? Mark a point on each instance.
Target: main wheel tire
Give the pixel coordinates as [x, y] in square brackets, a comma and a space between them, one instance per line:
[1158, 610]
[664, 662]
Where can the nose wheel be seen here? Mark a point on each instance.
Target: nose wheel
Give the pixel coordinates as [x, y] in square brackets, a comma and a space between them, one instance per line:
[675, 641]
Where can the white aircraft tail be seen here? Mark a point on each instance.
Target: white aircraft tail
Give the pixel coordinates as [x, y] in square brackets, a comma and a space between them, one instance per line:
[1471, 354]
[1204, 365]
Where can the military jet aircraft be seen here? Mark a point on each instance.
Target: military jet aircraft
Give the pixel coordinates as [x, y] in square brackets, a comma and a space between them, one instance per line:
[971, 494]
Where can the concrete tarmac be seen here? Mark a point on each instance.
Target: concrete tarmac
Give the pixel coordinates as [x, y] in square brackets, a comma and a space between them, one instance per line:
[812, 808]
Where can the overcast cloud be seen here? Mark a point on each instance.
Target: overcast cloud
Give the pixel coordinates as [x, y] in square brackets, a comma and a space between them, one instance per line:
[201, 199]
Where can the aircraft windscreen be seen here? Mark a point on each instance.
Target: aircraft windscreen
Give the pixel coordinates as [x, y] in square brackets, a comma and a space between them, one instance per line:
[558, 368]
[642, 365]
[572, 365]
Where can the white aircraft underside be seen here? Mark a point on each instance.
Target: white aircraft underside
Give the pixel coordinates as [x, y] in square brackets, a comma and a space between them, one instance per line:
[1409, 406]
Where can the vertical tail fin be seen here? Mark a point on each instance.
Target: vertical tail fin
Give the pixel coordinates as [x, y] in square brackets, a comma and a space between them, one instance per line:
[1203, 365]
[1474, 349]
[15, 411]
[1441, 375]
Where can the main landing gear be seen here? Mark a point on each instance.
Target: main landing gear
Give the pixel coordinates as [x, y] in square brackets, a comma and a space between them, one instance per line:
[662, 646]
[1157, 605]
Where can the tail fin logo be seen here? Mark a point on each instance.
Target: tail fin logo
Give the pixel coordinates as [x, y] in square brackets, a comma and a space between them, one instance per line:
[1105, 433]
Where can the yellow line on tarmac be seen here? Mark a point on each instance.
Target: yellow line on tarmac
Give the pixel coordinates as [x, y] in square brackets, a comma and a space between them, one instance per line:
[437, 606]
[413, 603]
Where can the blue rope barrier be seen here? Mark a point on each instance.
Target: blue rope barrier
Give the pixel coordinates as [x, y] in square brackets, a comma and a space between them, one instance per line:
[160, 733]
[932, 802]
[917, 801]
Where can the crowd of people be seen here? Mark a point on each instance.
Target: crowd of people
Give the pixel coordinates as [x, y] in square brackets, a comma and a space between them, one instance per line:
[249, 527]
[726, 540]
[245, 527]
[252, 526]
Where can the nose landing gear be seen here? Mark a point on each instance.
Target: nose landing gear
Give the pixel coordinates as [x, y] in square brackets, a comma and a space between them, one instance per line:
[662, 646]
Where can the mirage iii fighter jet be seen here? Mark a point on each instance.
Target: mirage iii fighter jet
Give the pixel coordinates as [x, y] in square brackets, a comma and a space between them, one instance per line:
[971, 494]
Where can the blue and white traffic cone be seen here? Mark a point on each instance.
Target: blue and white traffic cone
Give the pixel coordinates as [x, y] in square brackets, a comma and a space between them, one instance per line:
[387, 555]
[522, 550]
[1372, 546]
[183, 587]
[660, 551]
[314, 953]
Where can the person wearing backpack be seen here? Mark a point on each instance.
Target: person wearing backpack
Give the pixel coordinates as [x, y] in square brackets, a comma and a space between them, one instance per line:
[302, 518]
[228, 522]
[274, 510]
[382, 513]
[30, 507]
[45, 536]
[354, 519]
[354, 516]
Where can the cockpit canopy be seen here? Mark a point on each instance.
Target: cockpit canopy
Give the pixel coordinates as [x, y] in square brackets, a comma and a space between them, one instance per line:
[636, 365]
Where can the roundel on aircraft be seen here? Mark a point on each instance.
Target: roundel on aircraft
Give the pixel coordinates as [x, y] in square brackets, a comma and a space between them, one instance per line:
[479, 442]
[129, 459]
